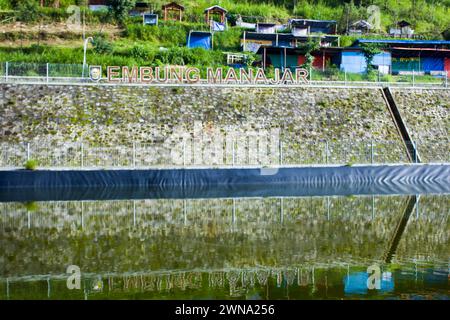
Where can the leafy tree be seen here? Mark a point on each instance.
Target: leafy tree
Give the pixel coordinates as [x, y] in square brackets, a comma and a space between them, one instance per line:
[370, 50]
[308, 48]
[28, 11]
[101, 45]
[120, 8]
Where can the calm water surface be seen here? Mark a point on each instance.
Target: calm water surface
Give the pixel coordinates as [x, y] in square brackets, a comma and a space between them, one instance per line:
[227, 248]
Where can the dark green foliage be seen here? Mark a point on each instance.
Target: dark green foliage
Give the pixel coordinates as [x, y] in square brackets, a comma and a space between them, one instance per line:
[27, 11]
[369, 50]
[120, 9]
[102, 45]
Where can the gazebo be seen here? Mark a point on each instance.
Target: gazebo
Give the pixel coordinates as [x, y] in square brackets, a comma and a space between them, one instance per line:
[215, 10]
[172, 11]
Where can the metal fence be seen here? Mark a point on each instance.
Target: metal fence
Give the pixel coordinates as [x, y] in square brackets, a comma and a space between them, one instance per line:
[73, 73]
[239, 151]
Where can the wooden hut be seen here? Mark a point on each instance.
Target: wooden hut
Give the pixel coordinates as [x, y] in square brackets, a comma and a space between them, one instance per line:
[172, 11]
[215, 11]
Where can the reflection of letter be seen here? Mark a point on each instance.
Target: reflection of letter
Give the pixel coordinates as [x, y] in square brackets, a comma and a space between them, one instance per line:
[113, 72]
[374, 282]
[74, 280]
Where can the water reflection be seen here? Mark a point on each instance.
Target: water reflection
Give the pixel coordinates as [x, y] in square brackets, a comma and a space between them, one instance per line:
[249, 248]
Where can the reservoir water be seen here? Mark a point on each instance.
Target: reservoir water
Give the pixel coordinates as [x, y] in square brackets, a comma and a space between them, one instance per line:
[291, 247]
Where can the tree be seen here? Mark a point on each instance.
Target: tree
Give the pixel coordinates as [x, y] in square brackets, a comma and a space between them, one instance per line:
[309, 47]
[370, 50]
[27, 11]
[120, 8]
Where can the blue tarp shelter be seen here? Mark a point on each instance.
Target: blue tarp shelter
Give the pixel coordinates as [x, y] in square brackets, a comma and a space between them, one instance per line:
[354, 61]
[199, 39]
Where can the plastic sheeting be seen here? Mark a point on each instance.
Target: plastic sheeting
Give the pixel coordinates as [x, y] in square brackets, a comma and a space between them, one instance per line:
[432, 64]
[199, 40]
[22, 185]
[217, 26]
[354, 61]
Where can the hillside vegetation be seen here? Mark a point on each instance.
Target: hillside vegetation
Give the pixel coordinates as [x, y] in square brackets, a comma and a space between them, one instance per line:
[30, 33]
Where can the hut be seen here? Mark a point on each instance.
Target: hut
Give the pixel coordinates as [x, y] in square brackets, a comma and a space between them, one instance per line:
[140, 7]
[360, 27]
[265, 27]
[97, 5]
[172, 11]
[314, 26]
[402, 30]
[215, 11]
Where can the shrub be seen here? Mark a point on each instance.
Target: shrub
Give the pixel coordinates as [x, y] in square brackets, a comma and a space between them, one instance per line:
[120, 8]
[28, 11]
[139, 52]
[101, 45]
[31, 164]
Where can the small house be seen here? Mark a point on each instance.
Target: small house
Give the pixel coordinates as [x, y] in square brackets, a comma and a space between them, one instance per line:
[139, 9]
[312, 26]
[265, 27]
[172, 11]
[97, 5]
[402, 30]
[360, 27]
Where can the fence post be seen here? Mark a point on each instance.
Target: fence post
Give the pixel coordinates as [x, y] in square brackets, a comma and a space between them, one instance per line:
[233, 151]
[326, 151]
[345, 77]
[134, 154]
[47, 71]
[82, 164]
[415, 151]
[184, 153]
[371, 151]
[413, 78]
[281, 152]
[310, 74]
[28, 151]
[6, 70]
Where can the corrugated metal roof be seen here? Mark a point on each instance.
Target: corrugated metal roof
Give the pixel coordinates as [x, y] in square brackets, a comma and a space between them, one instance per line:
[429, 42]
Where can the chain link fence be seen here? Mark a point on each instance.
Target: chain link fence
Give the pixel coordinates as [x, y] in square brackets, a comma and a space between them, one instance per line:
[239, 151]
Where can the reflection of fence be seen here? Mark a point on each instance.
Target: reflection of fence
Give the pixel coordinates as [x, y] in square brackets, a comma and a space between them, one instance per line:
[237, 151]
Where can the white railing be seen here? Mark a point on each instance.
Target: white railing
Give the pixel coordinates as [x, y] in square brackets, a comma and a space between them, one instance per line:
[225, 152]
